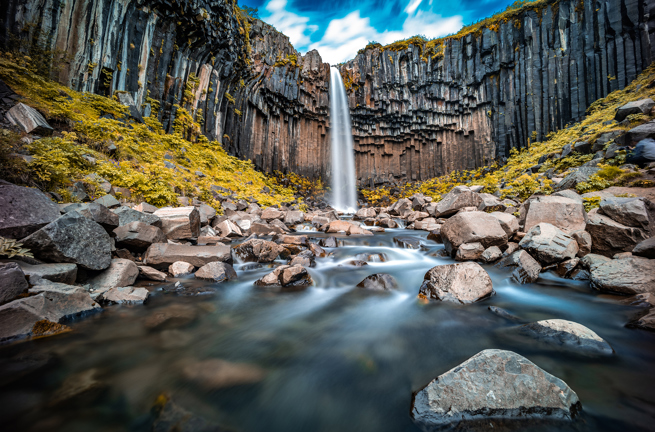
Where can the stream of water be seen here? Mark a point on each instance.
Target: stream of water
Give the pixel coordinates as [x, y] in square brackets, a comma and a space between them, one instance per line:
[344, 184]
[334, 357]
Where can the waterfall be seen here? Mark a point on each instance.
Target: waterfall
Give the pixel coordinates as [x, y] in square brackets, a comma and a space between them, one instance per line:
[344, 188]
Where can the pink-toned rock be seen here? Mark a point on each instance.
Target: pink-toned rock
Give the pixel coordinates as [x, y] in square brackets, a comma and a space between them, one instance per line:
[179, 223]
[458, 283]
[180, 268]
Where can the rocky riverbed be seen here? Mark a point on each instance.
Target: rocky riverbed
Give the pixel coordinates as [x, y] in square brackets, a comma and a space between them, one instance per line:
[279, 319]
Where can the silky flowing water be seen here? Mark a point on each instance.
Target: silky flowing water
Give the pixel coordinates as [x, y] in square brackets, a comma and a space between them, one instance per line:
[344, 183]
[336, 358]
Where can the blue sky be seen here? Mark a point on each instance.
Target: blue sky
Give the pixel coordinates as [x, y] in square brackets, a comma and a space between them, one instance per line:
[338, 28]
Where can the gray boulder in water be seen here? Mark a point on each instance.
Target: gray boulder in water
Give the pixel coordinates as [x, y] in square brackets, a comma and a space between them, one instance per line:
[568, 335]
[458, 283]
[493, 384]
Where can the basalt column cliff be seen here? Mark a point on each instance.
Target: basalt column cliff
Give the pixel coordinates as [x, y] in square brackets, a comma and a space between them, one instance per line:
[238, 77]
[418, 109]
[421, 111]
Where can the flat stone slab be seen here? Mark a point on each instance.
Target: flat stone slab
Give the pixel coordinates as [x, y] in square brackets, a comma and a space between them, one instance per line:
[162, 255]
[493, 384]
[569, 335]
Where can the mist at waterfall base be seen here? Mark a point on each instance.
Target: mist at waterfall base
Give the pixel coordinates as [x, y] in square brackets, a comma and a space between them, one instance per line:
[344, 189]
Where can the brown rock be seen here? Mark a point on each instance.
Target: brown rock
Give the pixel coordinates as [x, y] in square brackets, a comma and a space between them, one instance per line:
[565, 213]
[162, 255]
[216, 374]
[179, 223]
[216, 272]
[525, 269]
[633, 275]
[379, 282]
[472, 227]
[459, 283]
[610, 237]
[152, 274]
[458, 198]
[180, 268]
[548, 244]
[258, 250]
[470, 252]
[138, 236]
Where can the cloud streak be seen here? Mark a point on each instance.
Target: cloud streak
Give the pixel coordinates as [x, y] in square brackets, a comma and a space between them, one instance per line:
[352, 29]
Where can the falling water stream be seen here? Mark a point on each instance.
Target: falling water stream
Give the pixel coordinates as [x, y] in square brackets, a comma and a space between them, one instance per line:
[344, 189]
[334, 357]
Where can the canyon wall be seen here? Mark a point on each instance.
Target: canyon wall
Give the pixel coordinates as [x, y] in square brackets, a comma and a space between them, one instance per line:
[416, 116]
[416, 113]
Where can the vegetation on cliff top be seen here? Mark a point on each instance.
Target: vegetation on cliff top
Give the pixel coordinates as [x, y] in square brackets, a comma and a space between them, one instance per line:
[98, 139]
[434, 48]
[515, 180]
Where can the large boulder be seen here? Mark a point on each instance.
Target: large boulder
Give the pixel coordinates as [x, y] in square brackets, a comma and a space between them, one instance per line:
[565, 213]
[458, 283]
[64, 273]
[138, 236]
[12, 282]
[549, 244]
[28, 119]
[180, 222]
[458, 198]
[493, 384]
[125, 295]
[642, 106]
[379, 282]
[568, 335]
[472, 227]
[579, 175]
[258, 250]
[127, 215]
[609, 237]
[72, 238]
[50, 303]
[641, 132]
[97, 213]
[630, 275]
[632, 212]
[525, 269]
[121, 273]
[216, 272]
[162, 255]
[286, 278]
[24, 210]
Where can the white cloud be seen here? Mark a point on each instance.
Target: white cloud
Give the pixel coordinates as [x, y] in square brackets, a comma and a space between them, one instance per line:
[412, 6]
[345, 36]
[296, 27]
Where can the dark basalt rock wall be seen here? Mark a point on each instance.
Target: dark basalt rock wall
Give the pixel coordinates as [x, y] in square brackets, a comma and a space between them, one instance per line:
[416, 118]
[275, 116]
[413, 118]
